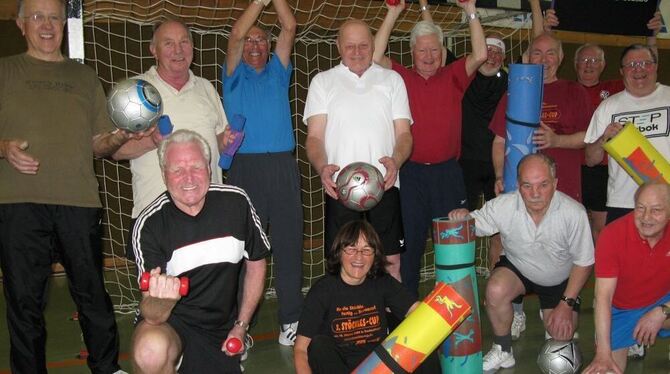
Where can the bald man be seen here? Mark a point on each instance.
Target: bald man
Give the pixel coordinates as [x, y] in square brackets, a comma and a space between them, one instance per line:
[359, 111]
[633, 306]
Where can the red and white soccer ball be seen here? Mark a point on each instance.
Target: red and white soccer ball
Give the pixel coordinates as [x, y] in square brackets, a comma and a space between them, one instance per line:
[360, 186]
[134, 105]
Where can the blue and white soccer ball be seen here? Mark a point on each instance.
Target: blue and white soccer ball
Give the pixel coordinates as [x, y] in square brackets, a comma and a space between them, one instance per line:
[134, 105]
[559, 357]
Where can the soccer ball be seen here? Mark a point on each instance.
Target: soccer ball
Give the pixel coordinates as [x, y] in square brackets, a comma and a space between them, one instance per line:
[134, 105]
[558, 357]
[360, 186]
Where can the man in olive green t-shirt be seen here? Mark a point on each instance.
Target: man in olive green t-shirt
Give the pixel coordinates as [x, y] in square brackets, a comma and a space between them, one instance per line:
[53, 121]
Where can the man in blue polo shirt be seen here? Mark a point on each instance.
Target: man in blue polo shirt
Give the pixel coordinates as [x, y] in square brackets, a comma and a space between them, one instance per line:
[255, 85]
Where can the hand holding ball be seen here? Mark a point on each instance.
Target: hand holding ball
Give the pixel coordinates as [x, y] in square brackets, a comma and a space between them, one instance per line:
[183, 283]
[233, 345]
[360, 186]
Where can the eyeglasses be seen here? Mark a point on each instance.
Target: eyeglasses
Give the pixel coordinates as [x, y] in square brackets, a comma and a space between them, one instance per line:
[494, 52]
[589, 60]
[40, 18]
[351, 251]
[259, 41]
[643, 64]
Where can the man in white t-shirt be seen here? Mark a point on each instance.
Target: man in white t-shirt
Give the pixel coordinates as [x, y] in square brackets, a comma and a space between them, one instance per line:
[359, 111]
[646, 104]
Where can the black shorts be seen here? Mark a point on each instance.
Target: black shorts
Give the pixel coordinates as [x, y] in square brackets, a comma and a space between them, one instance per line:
[202, 353]
[594, 187]
[549, 296]
[385, 218]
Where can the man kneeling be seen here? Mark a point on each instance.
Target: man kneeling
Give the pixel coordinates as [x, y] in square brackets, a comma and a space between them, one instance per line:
[205, 232]
[548, 251]
[632, 279]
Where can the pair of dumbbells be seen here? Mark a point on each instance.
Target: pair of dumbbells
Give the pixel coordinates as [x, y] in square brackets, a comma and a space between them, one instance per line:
[146, 276]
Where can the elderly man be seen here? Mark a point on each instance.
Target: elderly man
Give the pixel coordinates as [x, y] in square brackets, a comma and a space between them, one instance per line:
[633, 306]
[566, 111]
[644, 103]
[191, 103]
[548, 251]
[359, 111]
[432, 181]
[589, 64]
[53, 121]
[202, 231]
[255, 84]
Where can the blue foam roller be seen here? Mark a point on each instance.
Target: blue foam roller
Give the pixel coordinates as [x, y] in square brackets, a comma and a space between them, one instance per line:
[524, 107]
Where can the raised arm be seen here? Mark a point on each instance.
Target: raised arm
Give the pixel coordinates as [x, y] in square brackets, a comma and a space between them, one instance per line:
[287, 33]
[478, 55]
[425, 11]
[654, 24]
[384, 33]
[537, 20]
[239, 32]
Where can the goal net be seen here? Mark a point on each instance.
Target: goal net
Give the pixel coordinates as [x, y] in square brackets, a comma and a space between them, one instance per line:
[116, 44]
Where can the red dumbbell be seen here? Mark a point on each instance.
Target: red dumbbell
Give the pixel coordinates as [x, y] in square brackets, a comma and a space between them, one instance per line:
[233, 345]
[183, 283]
[392, 2]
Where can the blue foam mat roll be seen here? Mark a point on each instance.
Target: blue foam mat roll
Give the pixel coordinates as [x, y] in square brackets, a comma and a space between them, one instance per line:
[524, 106]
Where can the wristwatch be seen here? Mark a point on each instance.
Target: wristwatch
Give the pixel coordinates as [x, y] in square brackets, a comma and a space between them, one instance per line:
[666, 310]
[570, 301]
[242, 324]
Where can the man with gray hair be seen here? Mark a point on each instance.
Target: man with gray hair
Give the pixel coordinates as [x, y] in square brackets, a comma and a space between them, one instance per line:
[548, 251]
[566, 110]
[53, 122]
[432, 181]
[191, 102]
[203, 231]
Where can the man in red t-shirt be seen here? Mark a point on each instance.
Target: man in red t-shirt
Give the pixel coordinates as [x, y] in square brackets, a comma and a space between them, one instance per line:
[633, 306]
[589, 66]
[566, 112]
[431, 181]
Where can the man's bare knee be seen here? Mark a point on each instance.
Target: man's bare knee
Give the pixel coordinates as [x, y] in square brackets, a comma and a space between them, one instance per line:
[155, 349]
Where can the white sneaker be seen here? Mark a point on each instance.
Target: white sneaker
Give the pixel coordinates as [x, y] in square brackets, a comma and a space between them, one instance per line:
[248, 343]
[287, 333]
[518, 325]
[496, 358]
[636, 351]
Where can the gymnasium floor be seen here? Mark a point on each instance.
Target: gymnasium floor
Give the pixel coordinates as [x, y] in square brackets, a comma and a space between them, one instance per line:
[64, 342]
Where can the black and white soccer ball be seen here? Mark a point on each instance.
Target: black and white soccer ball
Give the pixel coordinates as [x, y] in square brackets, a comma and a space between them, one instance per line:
[134, 105]
[559, 357]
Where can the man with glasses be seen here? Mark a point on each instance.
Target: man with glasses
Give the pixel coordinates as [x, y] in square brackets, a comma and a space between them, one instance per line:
[53, 121]
[589, 65]
[645, 103]
[255, 85]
